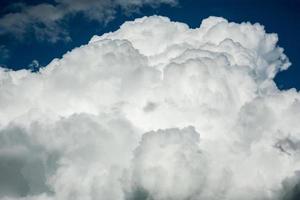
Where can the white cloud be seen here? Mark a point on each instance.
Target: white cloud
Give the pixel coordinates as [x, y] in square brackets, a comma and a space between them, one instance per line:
[168, 164]
[48, 21]
[154, 110]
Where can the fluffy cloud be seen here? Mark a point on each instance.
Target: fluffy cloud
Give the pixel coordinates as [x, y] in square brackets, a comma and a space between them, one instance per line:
[48, 21]
[168, 164]
[155, 110]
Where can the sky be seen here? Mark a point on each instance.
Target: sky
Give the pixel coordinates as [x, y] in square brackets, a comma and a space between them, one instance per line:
[149, 100]
[18, 51]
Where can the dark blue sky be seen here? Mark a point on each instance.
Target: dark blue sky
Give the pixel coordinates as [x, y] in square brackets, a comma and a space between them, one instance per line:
[279, 16]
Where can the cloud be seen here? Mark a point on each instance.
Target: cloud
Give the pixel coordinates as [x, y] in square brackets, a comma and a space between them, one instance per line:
[154, 110]
[34, 65]
[164, 160]
[4, 53]
[49, 21]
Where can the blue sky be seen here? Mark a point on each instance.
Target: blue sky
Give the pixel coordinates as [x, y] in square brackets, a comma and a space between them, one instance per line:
[278, 16]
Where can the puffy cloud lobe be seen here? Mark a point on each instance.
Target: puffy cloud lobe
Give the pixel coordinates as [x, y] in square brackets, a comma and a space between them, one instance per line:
[168, 164]
[155, 110]
[75, 157]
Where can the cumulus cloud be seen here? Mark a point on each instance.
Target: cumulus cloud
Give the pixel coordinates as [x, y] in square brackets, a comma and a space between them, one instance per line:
[48, 21]
[155, 110]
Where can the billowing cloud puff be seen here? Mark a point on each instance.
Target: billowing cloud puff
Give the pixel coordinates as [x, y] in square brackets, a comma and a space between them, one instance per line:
[168, 164]
[155, 110]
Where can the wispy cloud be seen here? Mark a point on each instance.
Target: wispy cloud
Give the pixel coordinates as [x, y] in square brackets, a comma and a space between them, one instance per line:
[48, 21]
[4, 53]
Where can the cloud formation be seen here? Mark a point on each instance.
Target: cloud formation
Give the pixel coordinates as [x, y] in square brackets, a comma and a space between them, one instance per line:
[4, 53]
[154, 111]
[48, 21]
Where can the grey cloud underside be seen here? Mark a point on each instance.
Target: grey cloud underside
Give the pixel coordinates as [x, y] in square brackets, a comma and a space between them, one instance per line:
[154, 111]
[49, 21]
